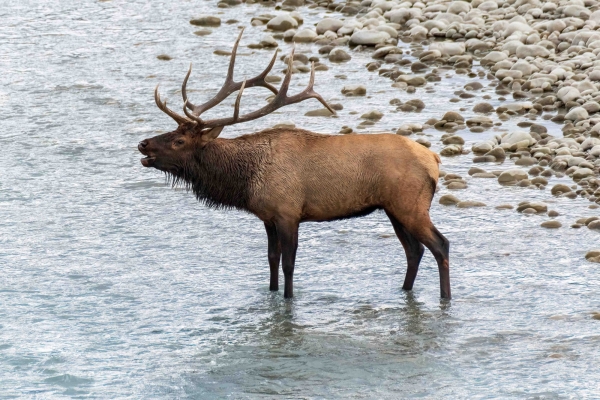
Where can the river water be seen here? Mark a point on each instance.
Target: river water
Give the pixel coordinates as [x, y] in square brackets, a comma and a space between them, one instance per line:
[114, 285]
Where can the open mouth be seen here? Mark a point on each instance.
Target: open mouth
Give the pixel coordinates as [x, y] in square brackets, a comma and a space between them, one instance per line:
[147, 161]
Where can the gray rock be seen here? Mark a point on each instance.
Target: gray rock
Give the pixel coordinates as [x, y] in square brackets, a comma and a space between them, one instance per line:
[457, 185]
[452, 116]
[532, 50]
[552, 224]
[424, 142]
[329, 24]
[373, 115]
[582, 173]
[576, 114]
[282, 23]
[470, 204]
[512, 176]
[448, 49]
[304, 36]
[518, 137]
[593, 256]
[454, 140]
[482, 148]
[494, 57]
[568, 93]
[451, 150]
[369, 38]
[206, 20]
[321, 112]
[484, 175]
[497, 152]
[449, 200]
[457, 7]
[483, 108]
[536, 206]
[338, 55]
[476, 170]
[354, 90]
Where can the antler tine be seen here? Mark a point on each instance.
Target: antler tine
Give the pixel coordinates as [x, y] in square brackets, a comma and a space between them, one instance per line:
[189, 114]
[162, 105]
[309, 91]
[236, 111]
[288, 76]
[229, 78]
[259, 80]
[184, 91]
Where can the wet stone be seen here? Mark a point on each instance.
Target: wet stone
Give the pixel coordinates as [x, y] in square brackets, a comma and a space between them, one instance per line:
[206, 20]
[354, 90]
[470, 204]
[449, 200]
[457, 185]
[553, 224]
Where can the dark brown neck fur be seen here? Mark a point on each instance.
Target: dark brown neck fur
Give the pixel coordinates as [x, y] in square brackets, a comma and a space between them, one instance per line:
[224, 173]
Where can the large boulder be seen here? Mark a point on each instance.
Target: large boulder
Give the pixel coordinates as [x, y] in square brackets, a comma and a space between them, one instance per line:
[512, 176]
[329, 24]
[354, 90]
[206, 20]
[282, 23]
[457, 7]
[568, 93]
[593, 256]
[576, 114]
[448, 48]
[518, 137]
[369, 38]
[304, 36]
[532, 50]
[338, 54]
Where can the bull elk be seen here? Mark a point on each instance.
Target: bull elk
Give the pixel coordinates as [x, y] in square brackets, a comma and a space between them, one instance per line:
[289, 176]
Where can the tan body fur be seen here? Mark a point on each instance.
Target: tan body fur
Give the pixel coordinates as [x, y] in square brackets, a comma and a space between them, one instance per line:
[325, 177]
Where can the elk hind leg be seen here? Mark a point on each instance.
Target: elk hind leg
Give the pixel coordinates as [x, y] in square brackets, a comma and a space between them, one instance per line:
[414, 252]
[421, 228]
[274, 254]
[287, 232]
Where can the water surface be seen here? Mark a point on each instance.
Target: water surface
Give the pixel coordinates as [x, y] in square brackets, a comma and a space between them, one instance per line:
[114, 285]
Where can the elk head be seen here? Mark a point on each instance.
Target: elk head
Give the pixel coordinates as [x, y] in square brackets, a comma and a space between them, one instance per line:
[171, 151]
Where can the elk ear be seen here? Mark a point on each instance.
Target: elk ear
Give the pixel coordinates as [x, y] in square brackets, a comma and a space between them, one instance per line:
[213, 133]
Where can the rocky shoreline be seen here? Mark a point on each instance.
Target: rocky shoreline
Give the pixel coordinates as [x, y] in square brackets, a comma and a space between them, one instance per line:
[541, 58]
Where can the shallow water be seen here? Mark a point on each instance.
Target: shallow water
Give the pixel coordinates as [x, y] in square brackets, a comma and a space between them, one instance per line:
[114, 285]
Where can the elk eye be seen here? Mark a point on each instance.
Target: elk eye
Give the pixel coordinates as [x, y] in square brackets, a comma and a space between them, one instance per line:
[179, 142]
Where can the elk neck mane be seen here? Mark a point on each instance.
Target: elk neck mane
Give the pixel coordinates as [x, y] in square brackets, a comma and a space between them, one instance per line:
[224, 173]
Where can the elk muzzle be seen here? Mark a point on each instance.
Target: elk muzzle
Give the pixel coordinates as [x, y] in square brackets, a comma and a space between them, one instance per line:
[147, 161]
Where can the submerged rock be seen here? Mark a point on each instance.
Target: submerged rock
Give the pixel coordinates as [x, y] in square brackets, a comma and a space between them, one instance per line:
[512, 176]
[449, 200]
[552, 224]
[354, 90]
[470, 204]
[206, 20]
[593, 256]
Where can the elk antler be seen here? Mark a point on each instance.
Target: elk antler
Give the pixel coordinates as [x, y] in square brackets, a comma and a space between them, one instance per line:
[163, 106]
[229, 86]
[281, 99]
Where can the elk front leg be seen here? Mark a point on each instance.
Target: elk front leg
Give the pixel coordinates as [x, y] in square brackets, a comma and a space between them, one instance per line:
[288, 238]
[274, 254]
